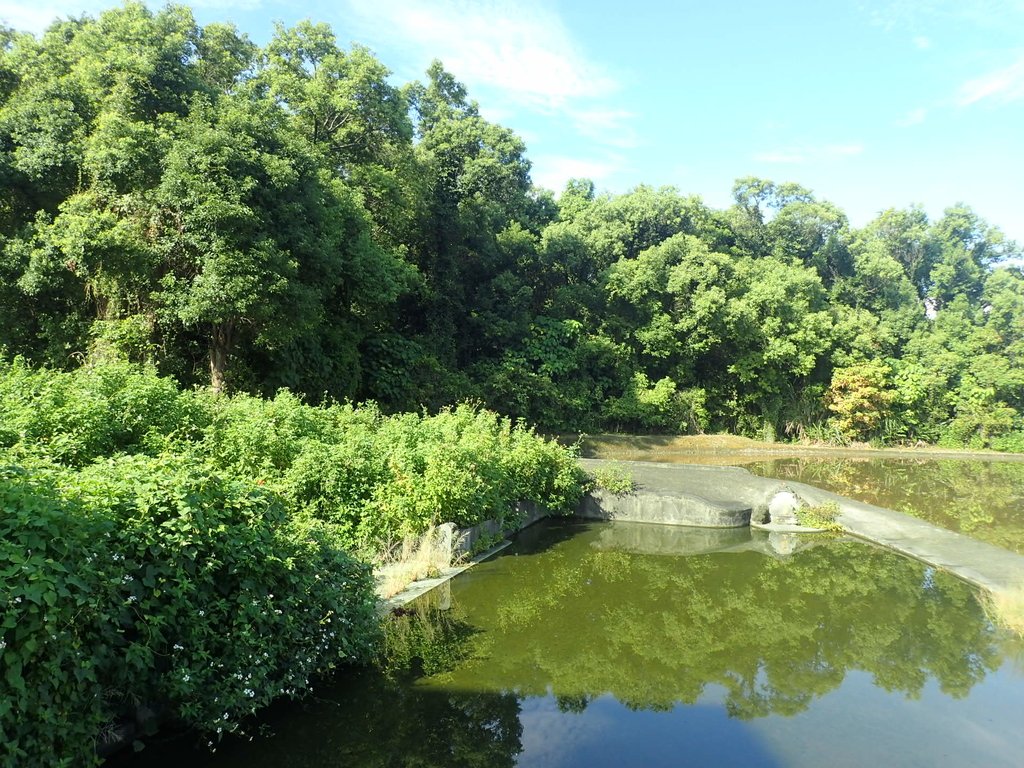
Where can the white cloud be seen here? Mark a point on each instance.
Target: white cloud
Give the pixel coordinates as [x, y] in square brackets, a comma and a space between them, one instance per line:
[520, 48]
[519, 55]
[610, 127]
[1003, 85]
[797, 155]
[552, 171]
[36, 17]
[922, 42]
[913, 117]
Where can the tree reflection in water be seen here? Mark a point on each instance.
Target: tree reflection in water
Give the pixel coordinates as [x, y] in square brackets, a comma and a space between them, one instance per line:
[980, 498]
[587, 617]
[574, 614]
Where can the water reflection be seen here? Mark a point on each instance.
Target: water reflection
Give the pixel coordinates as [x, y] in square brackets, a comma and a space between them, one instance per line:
[609, 644]
[594, 615]
[984, 499]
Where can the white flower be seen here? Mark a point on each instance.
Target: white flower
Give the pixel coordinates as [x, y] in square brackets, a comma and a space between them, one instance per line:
[186, 677]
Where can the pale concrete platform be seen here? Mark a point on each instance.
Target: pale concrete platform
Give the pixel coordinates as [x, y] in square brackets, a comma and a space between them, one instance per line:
[686, 494]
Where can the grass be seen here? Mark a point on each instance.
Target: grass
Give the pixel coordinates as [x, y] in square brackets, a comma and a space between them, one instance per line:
[422, 557]
[823, 516]
[614, 479]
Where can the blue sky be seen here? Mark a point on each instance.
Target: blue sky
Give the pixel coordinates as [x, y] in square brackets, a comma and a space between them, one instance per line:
[870, 104]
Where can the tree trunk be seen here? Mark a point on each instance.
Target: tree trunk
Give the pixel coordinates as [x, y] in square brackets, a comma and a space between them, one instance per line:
[220, 349]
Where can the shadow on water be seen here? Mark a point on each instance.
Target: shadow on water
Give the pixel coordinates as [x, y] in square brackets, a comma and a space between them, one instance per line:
[366, 720]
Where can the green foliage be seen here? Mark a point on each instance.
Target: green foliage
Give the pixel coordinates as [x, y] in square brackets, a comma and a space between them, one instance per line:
[375, 479]
[658, 407]
[185, 553]
[859, 396]
[154, 582]
[75, 418]
[380, 479]
[617, 480]
[287, 216]
[1012, 442]
[823, 516]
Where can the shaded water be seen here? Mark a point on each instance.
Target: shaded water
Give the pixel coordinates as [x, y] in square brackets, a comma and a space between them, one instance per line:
[983, 498]
[592, 644]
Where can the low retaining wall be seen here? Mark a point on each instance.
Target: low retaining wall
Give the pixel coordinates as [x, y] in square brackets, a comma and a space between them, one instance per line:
[463, 542]
[732, 498]
[664, 508]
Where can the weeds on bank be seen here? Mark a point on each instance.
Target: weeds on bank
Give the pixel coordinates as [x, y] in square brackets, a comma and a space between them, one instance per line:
[823, 516]
[418, 557]
[1005, 608]
[615, 479]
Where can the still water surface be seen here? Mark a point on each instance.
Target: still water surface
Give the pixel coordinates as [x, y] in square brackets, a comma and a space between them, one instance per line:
[614, 644]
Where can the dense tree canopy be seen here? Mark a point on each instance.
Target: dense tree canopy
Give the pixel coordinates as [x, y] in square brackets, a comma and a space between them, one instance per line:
[287, 216]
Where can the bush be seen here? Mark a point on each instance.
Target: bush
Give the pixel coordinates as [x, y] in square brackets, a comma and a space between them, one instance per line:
[388, 478]
[1011, 442]
[376, 479]
[824, 516]
[659, 407]
[185, 553]
[77, 417]
[615, 479]
[156, 582]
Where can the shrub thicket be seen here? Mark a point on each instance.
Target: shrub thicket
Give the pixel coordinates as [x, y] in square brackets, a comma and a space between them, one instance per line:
[187, 554]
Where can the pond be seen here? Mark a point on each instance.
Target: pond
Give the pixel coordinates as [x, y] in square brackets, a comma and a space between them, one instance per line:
[610, 644]
[981, 497]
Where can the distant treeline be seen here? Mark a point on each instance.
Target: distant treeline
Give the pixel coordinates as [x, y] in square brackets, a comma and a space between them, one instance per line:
[258, 218]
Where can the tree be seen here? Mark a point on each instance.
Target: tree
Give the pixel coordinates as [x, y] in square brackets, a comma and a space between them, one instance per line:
[859, 397]
[254, 239]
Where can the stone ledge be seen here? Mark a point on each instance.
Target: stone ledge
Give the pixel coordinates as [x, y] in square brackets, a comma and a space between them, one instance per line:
[664, 508]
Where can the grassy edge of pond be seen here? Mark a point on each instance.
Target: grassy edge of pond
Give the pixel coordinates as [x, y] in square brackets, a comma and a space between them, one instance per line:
[735, 446]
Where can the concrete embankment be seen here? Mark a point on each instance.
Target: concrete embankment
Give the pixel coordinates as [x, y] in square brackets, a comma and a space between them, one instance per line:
[721, 496]
[726, 502]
